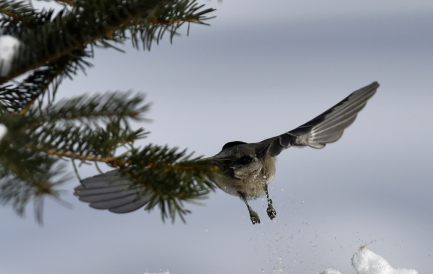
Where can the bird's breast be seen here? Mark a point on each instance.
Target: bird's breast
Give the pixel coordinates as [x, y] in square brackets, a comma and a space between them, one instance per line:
[250, 179]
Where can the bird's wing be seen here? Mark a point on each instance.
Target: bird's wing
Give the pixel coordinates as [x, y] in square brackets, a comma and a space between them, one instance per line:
[326, 128]
[112, 191]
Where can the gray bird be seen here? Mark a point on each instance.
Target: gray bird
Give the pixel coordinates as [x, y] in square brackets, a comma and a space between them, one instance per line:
[245, 169]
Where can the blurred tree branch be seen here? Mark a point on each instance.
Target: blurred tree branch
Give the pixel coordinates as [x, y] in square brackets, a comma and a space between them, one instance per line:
[42, 132]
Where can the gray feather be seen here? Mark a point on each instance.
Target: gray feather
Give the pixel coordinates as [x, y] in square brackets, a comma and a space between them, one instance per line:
[130, 206]
[326, 128]
[112, 191]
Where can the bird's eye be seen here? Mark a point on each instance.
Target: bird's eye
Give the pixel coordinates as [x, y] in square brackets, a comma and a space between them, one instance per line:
[244, 160]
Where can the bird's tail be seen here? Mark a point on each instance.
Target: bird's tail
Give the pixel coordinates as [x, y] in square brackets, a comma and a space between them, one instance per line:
[112, 191]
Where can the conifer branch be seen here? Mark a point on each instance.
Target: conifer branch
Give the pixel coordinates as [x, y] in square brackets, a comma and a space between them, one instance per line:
[76, 32]
[73, 156]
[73, 26]
[16, 10]
[21, 97]
[16, 14]
[67, 2]
[10, 13]
[42, 133]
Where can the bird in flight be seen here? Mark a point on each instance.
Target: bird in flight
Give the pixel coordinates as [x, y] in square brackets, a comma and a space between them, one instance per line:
[245, 169]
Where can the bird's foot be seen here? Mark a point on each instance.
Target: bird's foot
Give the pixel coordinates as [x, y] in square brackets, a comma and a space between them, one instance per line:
[254, 217]
[271, 211]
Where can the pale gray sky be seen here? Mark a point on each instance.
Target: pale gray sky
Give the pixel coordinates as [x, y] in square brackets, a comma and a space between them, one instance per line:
[261, 69]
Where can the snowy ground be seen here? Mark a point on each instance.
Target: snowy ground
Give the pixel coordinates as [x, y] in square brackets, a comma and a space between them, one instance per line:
[368, 262]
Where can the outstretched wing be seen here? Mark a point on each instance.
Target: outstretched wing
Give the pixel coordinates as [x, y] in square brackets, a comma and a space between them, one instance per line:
[326, 128]
[112, 191]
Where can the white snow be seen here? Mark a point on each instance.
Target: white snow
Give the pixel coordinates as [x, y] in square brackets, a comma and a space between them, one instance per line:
[3, 131]
[8, 49]
[368, 262]
[331, 271]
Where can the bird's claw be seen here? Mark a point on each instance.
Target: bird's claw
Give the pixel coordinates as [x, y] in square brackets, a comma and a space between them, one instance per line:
[254, 217]
[271, 211]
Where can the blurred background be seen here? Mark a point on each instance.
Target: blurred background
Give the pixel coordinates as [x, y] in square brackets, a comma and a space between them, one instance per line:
[263, 68]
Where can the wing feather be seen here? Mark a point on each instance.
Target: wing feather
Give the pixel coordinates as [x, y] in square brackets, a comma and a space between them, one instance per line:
[326, 128]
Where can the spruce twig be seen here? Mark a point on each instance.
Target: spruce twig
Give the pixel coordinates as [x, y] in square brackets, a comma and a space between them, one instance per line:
[42, 133]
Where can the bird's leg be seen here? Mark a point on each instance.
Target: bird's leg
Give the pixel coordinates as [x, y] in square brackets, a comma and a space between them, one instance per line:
[253, 215]
[270, 210]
